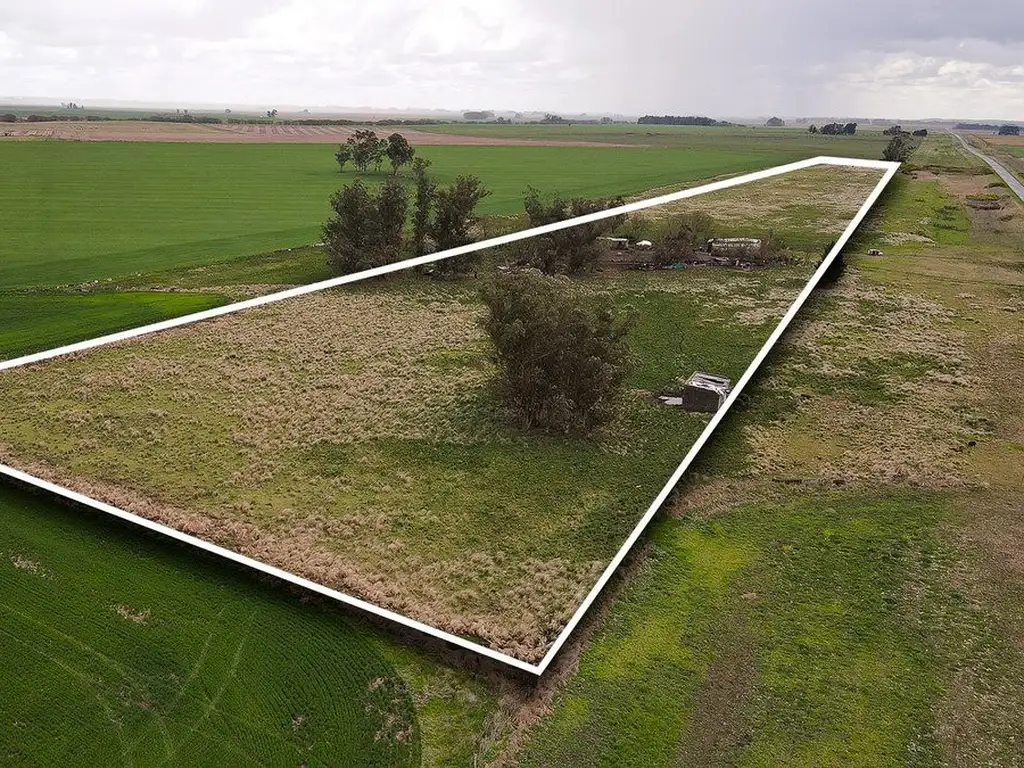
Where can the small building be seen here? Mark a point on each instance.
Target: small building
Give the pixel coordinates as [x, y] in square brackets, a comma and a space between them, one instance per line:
[644, 245]
[875, 252]
[733, 245]
[618, 243]
[702, 392]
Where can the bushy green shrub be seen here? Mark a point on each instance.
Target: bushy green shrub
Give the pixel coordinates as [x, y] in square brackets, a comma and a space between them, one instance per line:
[562, 359]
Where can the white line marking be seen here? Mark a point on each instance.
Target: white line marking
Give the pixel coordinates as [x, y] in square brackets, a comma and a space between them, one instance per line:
[536, 669]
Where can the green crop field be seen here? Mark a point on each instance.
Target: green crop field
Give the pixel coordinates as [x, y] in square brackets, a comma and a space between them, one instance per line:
[79, 211]
[32, 322]
[123, 649]
[786, 143]
[777, 596]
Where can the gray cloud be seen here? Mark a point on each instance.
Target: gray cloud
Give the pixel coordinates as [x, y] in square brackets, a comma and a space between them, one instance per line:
[745, 57]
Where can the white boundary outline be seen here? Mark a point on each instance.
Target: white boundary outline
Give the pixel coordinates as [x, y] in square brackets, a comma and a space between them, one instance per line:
[539, 668]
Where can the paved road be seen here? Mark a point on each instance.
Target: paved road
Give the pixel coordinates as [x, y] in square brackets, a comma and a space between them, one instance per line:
[1011, 179]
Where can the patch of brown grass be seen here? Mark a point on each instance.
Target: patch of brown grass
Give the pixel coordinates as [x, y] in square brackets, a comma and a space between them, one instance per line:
[23, 563]
[918, 437]
[836, 192]
[133, 615]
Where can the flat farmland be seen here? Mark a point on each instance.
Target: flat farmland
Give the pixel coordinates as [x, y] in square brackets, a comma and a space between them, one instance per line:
[1001, 141]
[838, 582]
[377, 462]
[267, 132]
[790, 143]
[72, 212]
[31, 322]
[374, 462]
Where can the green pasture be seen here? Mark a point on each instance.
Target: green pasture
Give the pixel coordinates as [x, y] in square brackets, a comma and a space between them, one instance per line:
[72, 212]
[945, 151]
[775, 635]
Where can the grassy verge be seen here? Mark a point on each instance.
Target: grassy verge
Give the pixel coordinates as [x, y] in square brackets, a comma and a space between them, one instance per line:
[774, 635]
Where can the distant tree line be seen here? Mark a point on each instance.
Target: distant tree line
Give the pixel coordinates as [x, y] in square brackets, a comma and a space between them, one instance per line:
[897, 130]
[683, 120]
[12, 118]
[1002, 130]
[185, 117]
[835, 129]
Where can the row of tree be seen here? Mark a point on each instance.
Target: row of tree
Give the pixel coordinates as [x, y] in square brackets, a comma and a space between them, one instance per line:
[364, 148]
[1002, 130]
[681, 120]
[897, 130]
[368, 228]
[835, 129]
[561, 357]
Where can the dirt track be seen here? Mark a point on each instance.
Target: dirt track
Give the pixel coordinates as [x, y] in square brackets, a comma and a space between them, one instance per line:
[284, 134]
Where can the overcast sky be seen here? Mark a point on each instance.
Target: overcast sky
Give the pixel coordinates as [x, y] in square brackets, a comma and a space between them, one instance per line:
[884, 58]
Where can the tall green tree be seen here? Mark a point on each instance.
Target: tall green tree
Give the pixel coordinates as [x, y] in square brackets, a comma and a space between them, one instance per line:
[399, 151]
[561, 359]
[899, 149]
[343, 155]
[366, 228]
[453, 221]
[366, 149]
[422, 206]
[570, 250]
